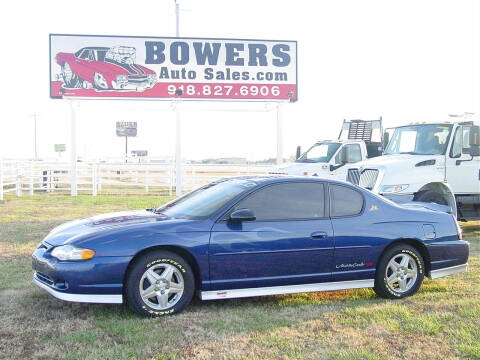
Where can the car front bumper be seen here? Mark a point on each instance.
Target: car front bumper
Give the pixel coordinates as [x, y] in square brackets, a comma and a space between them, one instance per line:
[133, 85]
[83, 298]
[97, 280]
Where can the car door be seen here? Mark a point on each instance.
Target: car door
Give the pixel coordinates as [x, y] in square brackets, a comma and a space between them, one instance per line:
[355, 247]
[81, 64]
[290, 242]
[354, 155]
[462, 170]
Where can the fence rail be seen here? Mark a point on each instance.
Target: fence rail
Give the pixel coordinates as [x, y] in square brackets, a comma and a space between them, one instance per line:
[29, 177]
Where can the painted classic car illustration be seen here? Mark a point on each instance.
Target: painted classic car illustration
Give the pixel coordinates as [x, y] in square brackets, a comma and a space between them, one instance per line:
[104, 68]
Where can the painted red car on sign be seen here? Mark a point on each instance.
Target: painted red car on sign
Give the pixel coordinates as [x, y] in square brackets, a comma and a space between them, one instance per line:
[104, 68]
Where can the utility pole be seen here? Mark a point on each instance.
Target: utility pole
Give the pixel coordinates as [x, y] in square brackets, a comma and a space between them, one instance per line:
[126, 148]
[178, 144]
[35, 133]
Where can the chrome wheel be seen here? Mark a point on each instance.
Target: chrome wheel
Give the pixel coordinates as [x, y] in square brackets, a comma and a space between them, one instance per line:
[401, 273]
[161, 286]
[100, 81]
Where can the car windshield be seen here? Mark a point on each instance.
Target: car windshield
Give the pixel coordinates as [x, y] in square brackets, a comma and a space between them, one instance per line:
[207, 200]
[430, 139]
[320, 152]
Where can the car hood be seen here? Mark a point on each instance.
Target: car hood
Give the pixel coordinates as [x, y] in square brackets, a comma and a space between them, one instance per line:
[297, 168]
[395, 160]
[72, 230]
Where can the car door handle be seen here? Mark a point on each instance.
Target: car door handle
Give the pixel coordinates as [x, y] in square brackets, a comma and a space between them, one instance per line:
[319, 235]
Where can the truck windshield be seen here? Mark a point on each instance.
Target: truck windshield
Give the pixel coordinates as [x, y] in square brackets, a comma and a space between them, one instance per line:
[206, 201]
[320, 152]
[429, 139]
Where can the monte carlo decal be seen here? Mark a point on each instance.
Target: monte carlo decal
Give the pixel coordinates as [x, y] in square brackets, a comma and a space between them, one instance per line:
[91, 66]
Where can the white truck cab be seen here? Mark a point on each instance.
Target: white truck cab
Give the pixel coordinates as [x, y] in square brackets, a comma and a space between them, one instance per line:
[332, 159]
[428, 162]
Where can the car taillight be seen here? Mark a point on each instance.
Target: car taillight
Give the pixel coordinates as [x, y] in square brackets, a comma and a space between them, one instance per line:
[459, 229]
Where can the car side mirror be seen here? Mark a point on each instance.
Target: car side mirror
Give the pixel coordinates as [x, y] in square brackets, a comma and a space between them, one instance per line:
[474, 141]
[385, 140]
[299, 152]
[344, 156]
[242, 215]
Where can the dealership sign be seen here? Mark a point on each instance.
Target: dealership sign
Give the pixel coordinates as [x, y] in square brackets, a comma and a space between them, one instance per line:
[126, 128]
[90, 66]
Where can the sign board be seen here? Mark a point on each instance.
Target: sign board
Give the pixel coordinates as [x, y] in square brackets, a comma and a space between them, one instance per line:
[60, 147]
[139, 153]
[126, 128]
[98, 66]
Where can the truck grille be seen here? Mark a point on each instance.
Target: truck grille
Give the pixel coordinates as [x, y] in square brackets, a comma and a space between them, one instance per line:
[353, 176]
[368, 178]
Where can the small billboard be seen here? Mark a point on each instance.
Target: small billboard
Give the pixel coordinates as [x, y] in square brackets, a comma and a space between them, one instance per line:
[101, 66]
[126, 128]
[139, 153]
[59, 147]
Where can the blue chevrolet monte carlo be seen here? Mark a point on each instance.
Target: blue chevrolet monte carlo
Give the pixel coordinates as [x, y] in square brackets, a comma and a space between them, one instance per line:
[250, 236]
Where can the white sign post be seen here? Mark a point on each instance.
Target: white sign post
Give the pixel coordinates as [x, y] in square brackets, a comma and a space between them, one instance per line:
[279, 135]
[73, 151]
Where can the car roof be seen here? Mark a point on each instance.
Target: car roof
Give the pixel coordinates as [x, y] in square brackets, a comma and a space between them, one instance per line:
[273, 178]
[95, 48]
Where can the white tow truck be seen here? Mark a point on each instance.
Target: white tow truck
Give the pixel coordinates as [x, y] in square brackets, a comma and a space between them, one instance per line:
[358, 140]
[435, 162]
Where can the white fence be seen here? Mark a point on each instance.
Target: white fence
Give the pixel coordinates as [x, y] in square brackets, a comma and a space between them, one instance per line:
[28, 177]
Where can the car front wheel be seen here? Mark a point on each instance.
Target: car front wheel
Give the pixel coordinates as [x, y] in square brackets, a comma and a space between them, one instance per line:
[70, 79]
[159, 283]
[99, 82]
[400, 272]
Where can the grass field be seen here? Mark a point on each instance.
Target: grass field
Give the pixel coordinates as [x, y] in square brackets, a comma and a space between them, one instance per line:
[441, 322]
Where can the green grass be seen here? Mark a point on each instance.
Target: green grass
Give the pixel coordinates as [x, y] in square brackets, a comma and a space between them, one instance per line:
[441, 321]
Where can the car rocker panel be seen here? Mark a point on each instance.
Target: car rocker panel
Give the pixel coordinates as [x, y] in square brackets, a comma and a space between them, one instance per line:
[156, 259]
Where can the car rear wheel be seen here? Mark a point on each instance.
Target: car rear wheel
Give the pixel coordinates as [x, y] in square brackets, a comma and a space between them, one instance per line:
[159, 283]
[70, 79]
[400, 272]
[99, 82]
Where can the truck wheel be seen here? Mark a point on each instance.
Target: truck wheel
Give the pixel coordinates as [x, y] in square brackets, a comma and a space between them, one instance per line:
[400, 272]
[99, 82]
[159, 283]
[430, 196]
[70, 79]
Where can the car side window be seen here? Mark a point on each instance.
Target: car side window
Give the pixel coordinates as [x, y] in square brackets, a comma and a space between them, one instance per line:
[354, 153]
[287, 201]
[84, 55]
[466, 140]
[345, 201]
[456, 150]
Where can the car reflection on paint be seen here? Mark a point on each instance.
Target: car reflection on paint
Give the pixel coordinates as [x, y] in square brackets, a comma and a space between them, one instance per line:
[250, 236]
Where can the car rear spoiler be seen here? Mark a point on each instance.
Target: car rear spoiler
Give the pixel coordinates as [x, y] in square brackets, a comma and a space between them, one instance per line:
[429, 206]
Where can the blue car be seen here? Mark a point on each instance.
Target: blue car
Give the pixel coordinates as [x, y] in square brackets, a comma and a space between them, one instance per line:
[250, 236]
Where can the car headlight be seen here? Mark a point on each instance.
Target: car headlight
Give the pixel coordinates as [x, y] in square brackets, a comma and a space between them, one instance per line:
[69, 252]
[122, 78]
[151, 77]
[394, 188]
